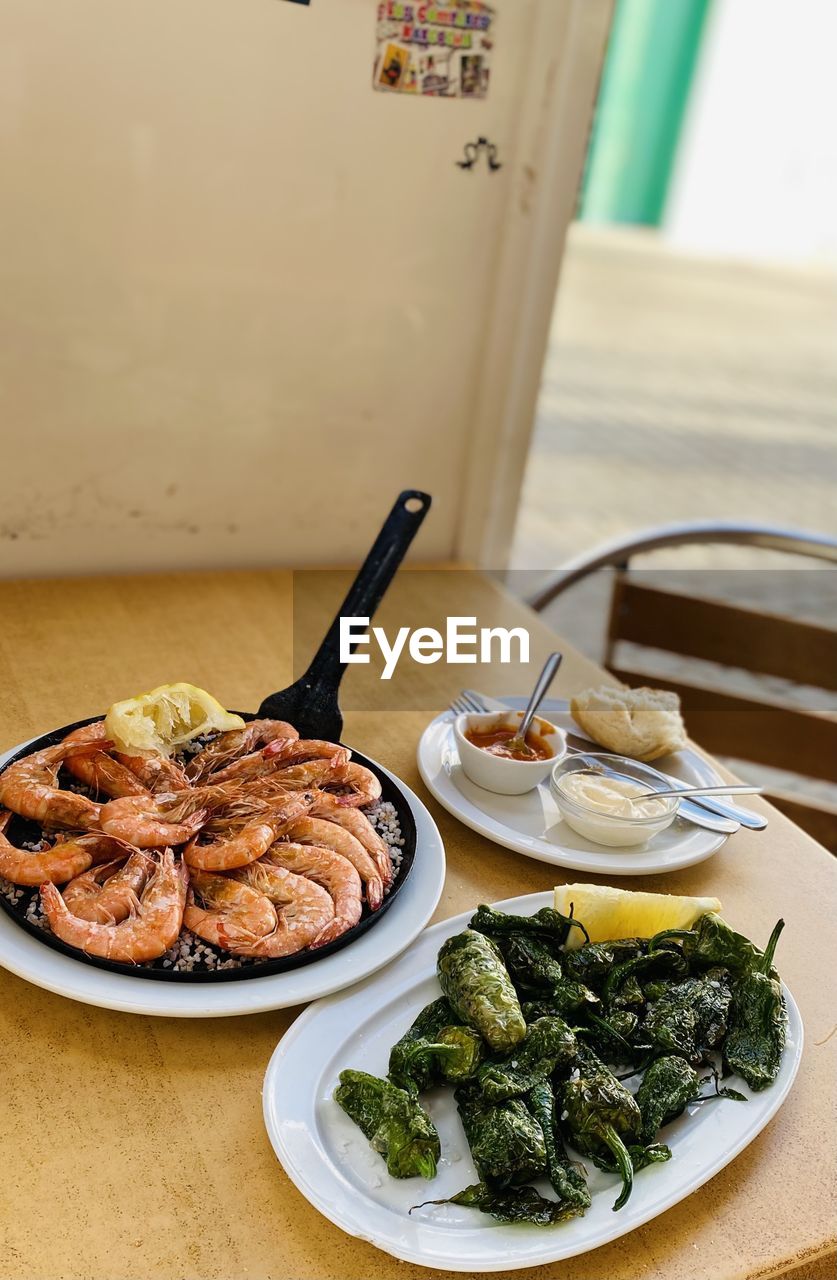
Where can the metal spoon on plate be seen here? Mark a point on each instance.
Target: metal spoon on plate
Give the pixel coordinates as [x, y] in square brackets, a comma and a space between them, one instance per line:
[518, 743]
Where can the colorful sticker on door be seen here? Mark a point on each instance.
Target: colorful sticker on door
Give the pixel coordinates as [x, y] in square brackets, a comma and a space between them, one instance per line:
[434, 50]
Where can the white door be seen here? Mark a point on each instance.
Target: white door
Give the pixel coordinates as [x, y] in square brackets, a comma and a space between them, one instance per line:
[244, 297]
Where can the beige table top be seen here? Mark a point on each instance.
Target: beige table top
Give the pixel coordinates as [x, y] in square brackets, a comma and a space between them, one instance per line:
[134, 1147]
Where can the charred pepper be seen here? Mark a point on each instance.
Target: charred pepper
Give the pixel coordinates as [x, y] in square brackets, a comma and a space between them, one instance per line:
[667, 1088]
[434, 1049]
[567, 997]
[601, 1115]
[475, 980]
[612, 1037]
[567, 1176]
[409, 1070]
[547, 923]
[641, 1157]
[690, 1017]
[758, 1022]
[393, 1121]
[712, 942]
[623, 985]
[511, 1204]
[592, 962]
[535, 970]
[549, 1044]
[505, 1139]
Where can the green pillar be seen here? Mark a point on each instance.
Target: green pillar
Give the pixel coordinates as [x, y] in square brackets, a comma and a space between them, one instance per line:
[645, 86]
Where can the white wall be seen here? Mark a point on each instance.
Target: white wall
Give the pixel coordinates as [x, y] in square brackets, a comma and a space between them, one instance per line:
[243, 298]
[757, 169]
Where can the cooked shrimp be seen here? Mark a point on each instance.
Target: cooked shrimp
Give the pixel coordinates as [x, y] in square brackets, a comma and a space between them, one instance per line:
[155, 773]
[29, 787]
[237, 742]
[143, 936]
[336, 769]
[255, 765]
[111, 892]
[365, 788]
[98, 769]
[250, 827]
[303, 911]
[143, 821]
[226, 902]
[313, 773]
[327, 835]
[285, 751]
[59, 864]
[337, 876]
[327, 806]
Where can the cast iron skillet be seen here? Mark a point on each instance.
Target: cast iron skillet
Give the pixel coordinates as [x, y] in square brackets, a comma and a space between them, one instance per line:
[311, 705]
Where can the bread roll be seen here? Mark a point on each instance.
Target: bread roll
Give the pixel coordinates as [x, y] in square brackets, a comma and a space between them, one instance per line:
[642, 723]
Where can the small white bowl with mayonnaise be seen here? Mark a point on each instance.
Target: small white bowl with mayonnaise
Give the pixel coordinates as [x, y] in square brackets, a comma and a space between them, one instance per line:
[609, 799]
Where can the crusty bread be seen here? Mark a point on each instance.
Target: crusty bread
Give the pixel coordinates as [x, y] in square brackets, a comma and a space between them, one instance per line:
[642, 723]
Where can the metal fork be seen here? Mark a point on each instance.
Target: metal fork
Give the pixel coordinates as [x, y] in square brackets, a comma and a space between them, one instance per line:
[469, 701]
[466, 704]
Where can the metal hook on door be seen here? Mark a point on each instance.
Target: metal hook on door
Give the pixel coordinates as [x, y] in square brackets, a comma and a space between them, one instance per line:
[472, 154]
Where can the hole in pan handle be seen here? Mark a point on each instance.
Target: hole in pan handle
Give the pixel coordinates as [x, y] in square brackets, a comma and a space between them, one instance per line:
[311, 702]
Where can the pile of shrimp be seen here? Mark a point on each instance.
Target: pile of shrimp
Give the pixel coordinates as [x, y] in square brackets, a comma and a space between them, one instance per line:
[258, 845]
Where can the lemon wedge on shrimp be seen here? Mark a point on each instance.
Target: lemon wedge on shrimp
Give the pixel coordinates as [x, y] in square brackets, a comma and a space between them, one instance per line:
[608, 913]
[165, 719]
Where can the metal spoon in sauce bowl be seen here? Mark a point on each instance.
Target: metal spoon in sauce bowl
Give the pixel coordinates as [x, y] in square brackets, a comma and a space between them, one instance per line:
[518, 743]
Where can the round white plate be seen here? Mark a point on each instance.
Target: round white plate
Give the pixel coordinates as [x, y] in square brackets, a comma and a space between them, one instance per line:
[332, 1164]
[24, 955]
[531, 824]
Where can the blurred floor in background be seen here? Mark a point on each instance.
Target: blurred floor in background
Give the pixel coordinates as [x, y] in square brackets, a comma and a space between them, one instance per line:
[679, 388]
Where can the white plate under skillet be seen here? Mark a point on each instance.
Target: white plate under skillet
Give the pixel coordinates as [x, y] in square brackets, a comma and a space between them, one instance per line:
[24, 955]
[334, 1167]
[531, 824]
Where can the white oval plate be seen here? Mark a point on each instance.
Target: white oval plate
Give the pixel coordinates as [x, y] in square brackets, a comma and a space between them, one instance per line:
[417, 900]
[332, 1164]
[531, 824]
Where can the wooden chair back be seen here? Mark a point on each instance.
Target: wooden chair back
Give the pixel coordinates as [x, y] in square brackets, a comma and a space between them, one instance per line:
[765, 731]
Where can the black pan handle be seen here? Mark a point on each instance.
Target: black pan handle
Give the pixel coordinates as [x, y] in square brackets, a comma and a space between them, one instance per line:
[368, 589]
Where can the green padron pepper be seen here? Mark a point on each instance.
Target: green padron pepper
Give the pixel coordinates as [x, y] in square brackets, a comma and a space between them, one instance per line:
[548, 924]
[568, 1178]
[393, 1121]
[667, 1088]
[757, 1022]
[536, 971]
[409, 1070]
[641, 1157]
[530, 961]
[566, 997]
[506, 1141]
[549, 1045]
[510, 1204]
[612, 1037]
[435, 1049]
[463, 1052]
[711, 941]
[475, 980]
[623, 985]
[592, 963]
[600, 1115]
[690, 1017]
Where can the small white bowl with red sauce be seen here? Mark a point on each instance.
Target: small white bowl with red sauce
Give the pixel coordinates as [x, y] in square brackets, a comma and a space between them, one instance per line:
[480, 740]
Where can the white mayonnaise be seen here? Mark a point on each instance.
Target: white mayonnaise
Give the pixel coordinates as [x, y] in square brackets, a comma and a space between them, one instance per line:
[612, 811]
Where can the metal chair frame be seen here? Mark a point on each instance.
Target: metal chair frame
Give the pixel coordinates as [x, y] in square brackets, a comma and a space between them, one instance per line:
[618, 554]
